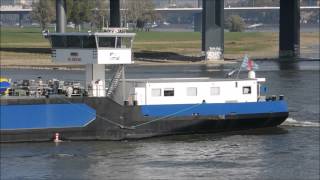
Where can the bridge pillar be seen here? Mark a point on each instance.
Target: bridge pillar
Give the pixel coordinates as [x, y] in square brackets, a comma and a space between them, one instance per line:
[114, 13]
[199, 3]
[289, 35]
[61, 19]
[213, 29]
[197, 18]
[20, 19]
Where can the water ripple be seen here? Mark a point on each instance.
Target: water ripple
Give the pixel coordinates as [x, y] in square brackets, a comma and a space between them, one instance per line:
[296, 123]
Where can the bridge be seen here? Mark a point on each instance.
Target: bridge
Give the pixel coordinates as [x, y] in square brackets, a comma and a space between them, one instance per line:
[18, 9]
[212, 17]
[15, 10]
[199, 10]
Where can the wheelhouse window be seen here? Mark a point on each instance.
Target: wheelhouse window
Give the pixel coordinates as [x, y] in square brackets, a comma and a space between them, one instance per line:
[246, 90]
[73, 41]
[168, 92]
[58, 41]
[89, 42]
[109, 42]
[215, 91]
[124, 42]
[191, 91]
[156, 92]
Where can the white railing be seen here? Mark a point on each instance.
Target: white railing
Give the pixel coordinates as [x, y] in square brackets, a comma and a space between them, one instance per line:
[233, 8]
[15, 8]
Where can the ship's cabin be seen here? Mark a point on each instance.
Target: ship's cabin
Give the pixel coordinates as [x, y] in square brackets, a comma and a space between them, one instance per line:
[192, 91]
[94, 50]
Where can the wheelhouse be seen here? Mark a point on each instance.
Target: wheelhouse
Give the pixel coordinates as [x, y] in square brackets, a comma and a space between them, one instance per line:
[94, 50]
[91, 48]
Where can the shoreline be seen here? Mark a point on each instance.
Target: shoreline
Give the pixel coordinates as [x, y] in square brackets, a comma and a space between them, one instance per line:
[154, 62]
[27, 49]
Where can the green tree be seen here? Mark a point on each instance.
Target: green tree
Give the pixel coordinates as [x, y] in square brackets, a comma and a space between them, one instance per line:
[235, 23]
[100, 14]
[43, 11]
[80, 12]
[140, 12]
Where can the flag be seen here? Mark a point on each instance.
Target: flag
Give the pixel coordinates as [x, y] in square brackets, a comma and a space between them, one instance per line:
[249, 64]
[255, 66]
[245, 60]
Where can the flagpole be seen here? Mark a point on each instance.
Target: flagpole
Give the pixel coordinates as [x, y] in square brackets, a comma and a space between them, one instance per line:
[239, 71]
[245, 57]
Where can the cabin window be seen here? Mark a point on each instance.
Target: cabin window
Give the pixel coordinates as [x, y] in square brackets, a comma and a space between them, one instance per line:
[73, 41]
[156, 92]
[107, 42]
[125, 42]
[191, 91]
[58, 41]
[246, 90]
[215, 91]
[89, 42]
[168, 92]
[118, 42]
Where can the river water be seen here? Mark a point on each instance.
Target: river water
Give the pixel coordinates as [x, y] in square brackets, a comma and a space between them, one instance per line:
[290, 151]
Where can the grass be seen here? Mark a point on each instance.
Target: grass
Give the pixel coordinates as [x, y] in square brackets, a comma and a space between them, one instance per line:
[27, 46]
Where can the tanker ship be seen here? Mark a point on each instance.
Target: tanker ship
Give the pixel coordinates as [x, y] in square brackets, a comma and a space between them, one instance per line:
[116, 108]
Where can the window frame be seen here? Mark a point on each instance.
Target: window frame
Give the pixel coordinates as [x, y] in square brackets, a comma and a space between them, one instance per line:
[215, 94]
[191, 89]
[247, 87]
[156, 95]
[168, 92]
[113, 42]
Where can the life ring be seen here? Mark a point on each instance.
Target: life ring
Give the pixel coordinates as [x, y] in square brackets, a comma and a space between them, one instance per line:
[4, 85]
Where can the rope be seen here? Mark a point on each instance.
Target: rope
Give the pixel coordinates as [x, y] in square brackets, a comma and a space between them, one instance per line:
[138, 125]
[166, 117]
[97, 115]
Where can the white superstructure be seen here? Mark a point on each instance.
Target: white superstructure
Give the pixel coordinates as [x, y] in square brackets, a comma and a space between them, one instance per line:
[94, 50]
[195, 90]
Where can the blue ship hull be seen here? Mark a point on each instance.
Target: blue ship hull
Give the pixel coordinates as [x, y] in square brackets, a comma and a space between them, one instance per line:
[103, 119]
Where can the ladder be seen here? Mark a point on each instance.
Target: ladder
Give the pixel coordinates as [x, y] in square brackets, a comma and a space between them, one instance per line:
[115, 81]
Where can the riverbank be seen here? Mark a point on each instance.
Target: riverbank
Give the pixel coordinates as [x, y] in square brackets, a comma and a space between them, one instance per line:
[27, 48]
[136, 63]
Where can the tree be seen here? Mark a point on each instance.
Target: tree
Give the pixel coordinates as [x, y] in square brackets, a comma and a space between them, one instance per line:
[43, 12]
[140, 12]
[100, 16]
[80, 12]
[235, 23]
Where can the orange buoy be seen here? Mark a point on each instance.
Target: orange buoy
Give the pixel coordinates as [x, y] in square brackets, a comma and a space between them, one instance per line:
[57, 138]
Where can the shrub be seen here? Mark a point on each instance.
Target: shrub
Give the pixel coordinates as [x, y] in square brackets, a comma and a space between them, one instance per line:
[235, 23]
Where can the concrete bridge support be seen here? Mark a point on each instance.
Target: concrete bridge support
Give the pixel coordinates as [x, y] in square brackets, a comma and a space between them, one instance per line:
[213, 29]
[61, 18]
[61, 14]
[20, 19]
[197, 19]
[115, 13]
[289, 35]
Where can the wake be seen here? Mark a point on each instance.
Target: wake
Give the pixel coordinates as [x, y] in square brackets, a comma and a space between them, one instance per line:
[293, 122]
